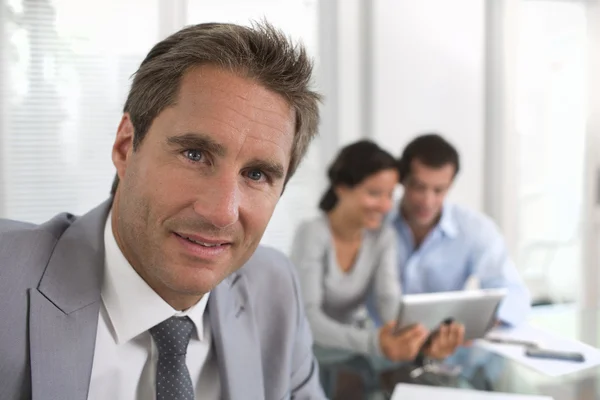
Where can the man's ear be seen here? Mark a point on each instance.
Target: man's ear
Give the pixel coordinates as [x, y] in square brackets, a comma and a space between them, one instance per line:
[123, 146]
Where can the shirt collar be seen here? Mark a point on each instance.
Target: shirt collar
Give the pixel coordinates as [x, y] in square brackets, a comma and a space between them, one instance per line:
[134, 307]
[447, 223]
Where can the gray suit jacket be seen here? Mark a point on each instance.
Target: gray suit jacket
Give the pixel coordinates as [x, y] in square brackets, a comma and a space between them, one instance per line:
[50, 282]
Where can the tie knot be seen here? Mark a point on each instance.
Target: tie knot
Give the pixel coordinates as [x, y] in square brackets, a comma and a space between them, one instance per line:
[173, 335]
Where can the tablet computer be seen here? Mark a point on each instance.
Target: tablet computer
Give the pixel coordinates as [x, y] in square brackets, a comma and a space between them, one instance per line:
[475, 309]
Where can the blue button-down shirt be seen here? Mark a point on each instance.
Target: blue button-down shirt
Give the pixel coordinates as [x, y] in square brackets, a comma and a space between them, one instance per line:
[462, 245]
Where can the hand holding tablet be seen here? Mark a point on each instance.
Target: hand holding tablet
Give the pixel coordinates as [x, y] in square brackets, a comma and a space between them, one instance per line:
[445, 340]
[474, 309]
[402, 346]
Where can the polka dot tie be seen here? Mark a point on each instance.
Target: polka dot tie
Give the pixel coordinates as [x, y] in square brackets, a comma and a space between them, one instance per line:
[173, 380]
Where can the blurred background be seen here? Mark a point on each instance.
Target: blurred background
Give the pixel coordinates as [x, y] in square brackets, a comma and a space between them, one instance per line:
[512, 83]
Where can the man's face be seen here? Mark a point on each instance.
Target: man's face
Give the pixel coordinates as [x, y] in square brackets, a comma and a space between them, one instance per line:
[425, 189]
[196, 196]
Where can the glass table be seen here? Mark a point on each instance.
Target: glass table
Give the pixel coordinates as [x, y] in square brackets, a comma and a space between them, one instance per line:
[484, 370]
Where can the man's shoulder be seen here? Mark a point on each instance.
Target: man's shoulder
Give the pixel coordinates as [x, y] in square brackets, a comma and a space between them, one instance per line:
[8, 225]
[467, 216]
[271, 275]
[472, 223]
[268, 265]
[23, 233]
[272, 285]
[25, 248]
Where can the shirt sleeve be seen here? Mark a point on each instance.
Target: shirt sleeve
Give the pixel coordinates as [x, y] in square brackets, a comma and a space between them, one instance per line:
[492, 266]
[386, 287]
[309, 255]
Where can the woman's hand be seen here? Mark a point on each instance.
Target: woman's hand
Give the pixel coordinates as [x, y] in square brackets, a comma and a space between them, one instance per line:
[403, 346]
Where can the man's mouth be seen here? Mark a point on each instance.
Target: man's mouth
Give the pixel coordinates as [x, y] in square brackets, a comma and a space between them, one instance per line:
[202, 241]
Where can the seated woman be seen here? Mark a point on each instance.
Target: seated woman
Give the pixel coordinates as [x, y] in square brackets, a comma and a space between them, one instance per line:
[348, 252]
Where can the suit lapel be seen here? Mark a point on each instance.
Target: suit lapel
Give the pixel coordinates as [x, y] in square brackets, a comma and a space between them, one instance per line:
[236, 340]
[62, 349]
[63, 312]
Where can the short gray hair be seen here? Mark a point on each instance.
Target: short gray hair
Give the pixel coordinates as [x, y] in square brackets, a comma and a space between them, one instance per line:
[260, 52]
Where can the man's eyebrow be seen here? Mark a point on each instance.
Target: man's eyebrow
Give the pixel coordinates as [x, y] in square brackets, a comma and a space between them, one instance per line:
[198, 141]
[271, 167]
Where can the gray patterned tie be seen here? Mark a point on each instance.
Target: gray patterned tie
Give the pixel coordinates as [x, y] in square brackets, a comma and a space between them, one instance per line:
[173, 380]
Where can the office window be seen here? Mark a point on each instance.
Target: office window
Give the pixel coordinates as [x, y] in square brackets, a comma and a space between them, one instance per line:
[551, 128]
[298, 18]
[65, 68]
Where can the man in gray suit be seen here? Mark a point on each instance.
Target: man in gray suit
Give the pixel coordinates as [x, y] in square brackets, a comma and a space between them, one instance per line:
[162, 291]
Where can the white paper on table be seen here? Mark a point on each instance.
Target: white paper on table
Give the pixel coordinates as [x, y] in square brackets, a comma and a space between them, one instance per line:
[545, 340]
[405, 391]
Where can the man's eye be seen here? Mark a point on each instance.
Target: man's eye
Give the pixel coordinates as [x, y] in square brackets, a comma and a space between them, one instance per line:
[194, 155]
[255, 175]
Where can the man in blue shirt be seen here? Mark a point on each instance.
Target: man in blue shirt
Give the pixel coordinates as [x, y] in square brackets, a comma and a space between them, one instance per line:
[444, 245]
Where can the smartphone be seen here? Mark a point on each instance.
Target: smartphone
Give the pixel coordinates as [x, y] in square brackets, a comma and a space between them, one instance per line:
[554, 355]
[515, 342]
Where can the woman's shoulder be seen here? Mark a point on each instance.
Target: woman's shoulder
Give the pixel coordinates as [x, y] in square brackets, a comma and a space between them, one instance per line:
[317, 227]
[312, 237]
[385, 234]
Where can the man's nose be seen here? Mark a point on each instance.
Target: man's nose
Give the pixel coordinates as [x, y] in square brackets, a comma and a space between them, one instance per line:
[430, 198]
[220, 202]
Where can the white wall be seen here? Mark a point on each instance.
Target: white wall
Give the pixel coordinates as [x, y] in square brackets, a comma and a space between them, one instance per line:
[428, 74]
[350, 71]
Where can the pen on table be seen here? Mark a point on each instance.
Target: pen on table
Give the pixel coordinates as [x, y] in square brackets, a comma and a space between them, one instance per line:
[517, 342]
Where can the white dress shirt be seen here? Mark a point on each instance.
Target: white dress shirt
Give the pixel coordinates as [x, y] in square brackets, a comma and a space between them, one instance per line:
[125, 356]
